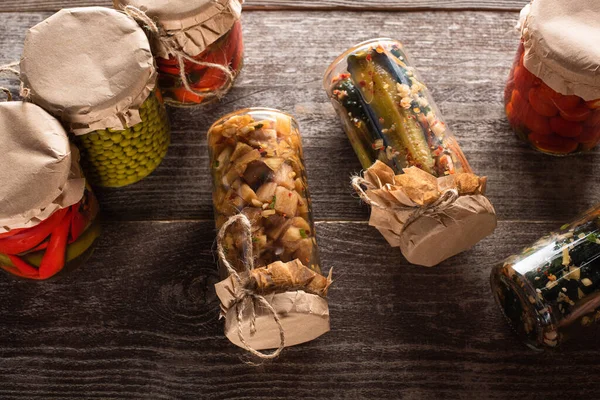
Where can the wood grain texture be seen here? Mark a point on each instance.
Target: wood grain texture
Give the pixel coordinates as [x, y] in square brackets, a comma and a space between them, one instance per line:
[321, 5]
[463, 57]
[140, 321]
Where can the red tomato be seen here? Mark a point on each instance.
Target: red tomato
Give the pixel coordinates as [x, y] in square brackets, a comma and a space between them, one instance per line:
[594, 104]
[589, 135]
[185, 96]
[577, 114]
[541, 103]
[565, 128]
[594, 119]
[553, 143]
[566, 102]
[510, 114]
[536, 122]
[524, 79]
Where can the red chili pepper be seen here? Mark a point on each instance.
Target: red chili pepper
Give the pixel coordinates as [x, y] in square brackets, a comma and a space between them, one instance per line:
[12, 232]
[31, 237]
[25, 269]
[54, 258]
[78, 222]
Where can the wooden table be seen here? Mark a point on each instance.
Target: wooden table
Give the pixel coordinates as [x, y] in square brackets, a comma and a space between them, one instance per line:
[140, 320]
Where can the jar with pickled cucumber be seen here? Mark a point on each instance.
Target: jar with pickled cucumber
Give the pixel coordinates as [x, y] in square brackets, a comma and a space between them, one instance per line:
[388, 113]
[193, 72]
[108, 100]
[552, 97]
[550, 292]
[48, 221]
[259, 175]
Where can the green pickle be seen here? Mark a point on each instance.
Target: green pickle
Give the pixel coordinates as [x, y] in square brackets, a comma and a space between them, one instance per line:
[550, 293]
[115, 158]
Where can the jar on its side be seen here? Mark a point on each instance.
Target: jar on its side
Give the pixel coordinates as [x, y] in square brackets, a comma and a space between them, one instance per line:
[388, 113]
[120, 157]
[550, 292]
[258, 170]
[552, 97]
[107, 99]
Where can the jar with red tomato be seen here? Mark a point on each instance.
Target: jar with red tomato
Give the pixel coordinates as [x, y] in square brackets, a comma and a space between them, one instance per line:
[48, 221]
[198, 46]
[552, 98]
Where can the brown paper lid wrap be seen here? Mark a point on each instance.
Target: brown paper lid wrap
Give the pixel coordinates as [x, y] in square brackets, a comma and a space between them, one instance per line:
[193, 25]
[39, 170]
[429, 218]
[287, 288]
[561, 40]
[91, 67]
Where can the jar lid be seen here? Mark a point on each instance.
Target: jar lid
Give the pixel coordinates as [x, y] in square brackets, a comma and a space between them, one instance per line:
[194, 25]
[98, 78]
[38, 169]
[561, 45]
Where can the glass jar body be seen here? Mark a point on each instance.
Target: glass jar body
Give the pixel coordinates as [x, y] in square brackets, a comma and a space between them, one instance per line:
[387, 112]
[545, 119]
[258, 170]
[550, 292]
[227, 52]
[59, 244]
[116, 158]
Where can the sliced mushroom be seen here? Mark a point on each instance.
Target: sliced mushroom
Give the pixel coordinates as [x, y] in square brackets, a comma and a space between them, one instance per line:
[285, 176]
[266, 192]
[286, 201]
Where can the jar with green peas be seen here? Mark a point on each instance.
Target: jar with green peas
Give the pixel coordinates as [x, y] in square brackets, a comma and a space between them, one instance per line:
[102, 85]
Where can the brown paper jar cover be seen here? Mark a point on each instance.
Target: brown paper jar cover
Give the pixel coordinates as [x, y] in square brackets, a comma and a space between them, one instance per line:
[258, 171]
[198, 46]
[38, 171]
[552, 95]
[98, 78]
[48, 222]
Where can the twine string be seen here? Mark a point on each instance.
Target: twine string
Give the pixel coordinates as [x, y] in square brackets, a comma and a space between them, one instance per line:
[174, 49]
[447, 198]
[244, 297]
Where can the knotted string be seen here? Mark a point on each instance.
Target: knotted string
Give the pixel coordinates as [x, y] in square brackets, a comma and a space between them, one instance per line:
[24, 92]
[173, 48]
[242, 294]
[447, 198]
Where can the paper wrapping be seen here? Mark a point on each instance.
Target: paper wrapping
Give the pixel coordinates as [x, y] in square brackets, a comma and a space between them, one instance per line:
[438, 234]
[304, 317]
[98, 78]
[561, 45]
[192, 25]
[39, 170]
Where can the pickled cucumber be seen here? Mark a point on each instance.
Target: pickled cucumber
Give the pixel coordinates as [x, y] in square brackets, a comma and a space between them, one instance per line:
[115, 158]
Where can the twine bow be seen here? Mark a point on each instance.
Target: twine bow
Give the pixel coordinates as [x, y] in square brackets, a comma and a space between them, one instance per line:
[243, 295]
[447, 198]
[173, 48]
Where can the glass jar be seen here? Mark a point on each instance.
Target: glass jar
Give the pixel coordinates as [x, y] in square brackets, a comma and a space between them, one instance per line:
[552, 97]
[60, 243]
[550, 292]
[227, 51]
[120, 157]
[107, 99]
[48, 221]
[258, 170]
[203, 36]
[388, 113]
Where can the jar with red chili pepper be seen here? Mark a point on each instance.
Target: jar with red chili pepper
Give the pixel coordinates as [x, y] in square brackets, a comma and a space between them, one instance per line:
[552, 98]
[47, 212]
[198, 46]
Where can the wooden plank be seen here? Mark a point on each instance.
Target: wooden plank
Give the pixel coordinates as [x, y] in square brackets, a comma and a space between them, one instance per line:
[463, 57]
[140, 320]
[250, 5]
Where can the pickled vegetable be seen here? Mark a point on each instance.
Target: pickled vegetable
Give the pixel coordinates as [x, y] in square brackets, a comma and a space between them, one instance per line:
[227, 51]
[61, 242]
[551, 291]
[387, 112]
[547, 120]
[116, 158]
[257, 169]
